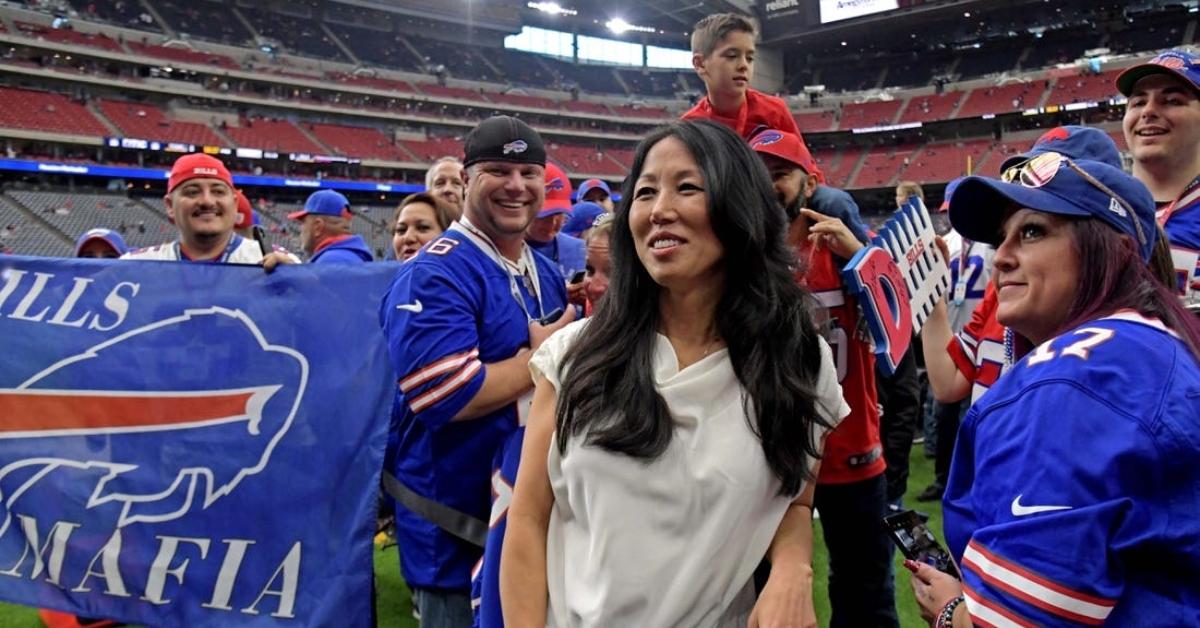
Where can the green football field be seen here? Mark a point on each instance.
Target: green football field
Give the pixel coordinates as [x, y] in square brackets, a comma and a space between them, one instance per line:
[395, 607]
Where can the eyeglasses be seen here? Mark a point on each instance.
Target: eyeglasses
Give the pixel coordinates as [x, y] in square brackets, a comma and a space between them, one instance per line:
[1040, 170]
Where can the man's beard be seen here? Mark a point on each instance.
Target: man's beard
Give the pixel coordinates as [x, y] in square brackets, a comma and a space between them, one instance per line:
[792, 210]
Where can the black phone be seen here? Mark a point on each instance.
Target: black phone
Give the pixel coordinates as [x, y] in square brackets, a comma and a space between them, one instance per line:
[917, 542]
[577, 277]
[551, 317]
[260, 235]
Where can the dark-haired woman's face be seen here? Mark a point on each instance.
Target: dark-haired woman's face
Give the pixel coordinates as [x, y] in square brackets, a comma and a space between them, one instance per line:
[416, 225]
[669, 219]
[1036, 273]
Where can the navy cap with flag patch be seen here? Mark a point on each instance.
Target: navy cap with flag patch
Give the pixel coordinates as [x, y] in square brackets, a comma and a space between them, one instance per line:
[504, 138]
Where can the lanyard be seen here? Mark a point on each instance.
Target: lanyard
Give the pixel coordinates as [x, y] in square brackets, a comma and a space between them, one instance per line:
[960, 286]
[1189, 194]
[234, 242]
[526, 268]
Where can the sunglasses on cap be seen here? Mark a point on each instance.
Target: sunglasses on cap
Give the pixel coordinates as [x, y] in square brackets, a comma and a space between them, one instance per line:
[1040, 170]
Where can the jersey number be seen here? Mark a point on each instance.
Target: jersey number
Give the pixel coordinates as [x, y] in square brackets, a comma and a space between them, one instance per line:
[1080, 349]
[441, 246]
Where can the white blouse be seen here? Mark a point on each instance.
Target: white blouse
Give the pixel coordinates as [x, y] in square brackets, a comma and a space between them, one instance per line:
[673, 541]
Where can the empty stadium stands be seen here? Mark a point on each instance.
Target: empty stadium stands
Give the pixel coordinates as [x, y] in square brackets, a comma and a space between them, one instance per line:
[869, 114]
[146, 121]
[75, 213]
[20, 235]
[47, 111]
[362, 142]
[276, 135]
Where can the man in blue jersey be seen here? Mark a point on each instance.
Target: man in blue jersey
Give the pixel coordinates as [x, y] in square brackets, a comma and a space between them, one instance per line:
[1162, 128]
[461, 320]
[545, 235]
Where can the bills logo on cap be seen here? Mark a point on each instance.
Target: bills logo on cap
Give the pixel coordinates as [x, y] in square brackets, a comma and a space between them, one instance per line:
[1053, 135]
[1170, 61]
[555, 185]
[205, 171]
[767, 138]
[516, 147]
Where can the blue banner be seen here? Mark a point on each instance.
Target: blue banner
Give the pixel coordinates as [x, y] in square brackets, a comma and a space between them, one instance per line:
[191, 444]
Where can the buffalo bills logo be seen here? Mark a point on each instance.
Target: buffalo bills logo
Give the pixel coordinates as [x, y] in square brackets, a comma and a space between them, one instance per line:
[1056, 134]
[517, 147]
[555, 185]
[766, 138]
[211, 400]
[1170, 61]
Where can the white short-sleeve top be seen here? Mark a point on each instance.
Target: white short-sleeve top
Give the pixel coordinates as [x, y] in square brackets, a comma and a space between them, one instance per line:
[673, 541]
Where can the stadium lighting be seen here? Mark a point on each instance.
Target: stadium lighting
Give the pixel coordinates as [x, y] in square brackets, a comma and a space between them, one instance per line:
[553, 8]
[618, 26]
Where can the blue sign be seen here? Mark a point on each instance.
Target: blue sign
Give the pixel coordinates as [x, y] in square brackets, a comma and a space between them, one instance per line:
[191, 444]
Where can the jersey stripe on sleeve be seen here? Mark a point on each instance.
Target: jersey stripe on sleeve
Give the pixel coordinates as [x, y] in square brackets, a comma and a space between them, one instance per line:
[1035, 589]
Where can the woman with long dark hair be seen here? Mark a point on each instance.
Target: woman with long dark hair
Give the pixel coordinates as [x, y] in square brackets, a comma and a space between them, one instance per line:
[1072, 496]
[673, 436]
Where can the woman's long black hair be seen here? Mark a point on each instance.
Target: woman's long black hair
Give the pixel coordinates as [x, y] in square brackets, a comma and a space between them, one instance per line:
[608, 394]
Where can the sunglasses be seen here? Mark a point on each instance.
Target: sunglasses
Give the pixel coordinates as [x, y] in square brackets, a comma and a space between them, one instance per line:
[1040, 170]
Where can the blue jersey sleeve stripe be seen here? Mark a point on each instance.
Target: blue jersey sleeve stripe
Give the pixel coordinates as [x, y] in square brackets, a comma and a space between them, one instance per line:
[446, 388]
[985, 612]
[1035, 589]
[442, 366]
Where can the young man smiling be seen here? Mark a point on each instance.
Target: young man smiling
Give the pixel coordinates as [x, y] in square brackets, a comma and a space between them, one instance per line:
[1162, 128]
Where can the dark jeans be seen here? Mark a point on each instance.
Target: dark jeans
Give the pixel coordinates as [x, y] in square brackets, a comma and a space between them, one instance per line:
[443, 609]
[948, 417]
[861, 591]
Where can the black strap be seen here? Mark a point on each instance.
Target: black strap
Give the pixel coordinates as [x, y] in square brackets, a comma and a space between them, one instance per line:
[451, 520]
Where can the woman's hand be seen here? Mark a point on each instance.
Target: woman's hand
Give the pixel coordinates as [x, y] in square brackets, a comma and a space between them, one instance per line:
[932, 588]
[786, 600]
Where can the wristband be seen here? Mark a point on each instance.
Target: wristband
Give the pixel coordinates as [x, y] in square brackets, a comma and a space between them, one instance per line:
[945, 619]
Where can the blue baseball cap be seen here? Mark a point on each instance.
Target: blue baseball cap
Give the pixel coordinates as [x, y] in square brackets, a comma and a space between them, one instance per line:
[592, 184]
[325, 203]
[1049, 184]
[1176, 61]
[583, 214]
[950, 187]
[1076, 142]
[113, 239]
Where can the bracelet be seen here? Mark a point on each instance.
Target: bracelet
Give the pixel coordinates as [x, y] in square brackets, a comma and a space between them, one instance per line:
[945, 619]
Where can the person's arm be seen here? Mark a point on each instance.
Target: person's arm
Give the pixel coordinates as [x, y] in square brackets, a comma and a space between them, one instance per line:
[787, 596]
[947, 382]
[523, 588]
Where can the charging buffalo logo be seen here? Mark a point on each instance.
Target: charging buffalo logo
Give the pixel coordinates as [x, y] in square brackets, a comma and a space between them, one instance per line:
[160, 420]
[766, 138]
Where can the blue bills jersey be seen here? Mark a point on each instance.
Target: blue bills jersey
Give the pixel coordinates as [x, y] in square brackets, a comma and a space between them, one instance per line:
[449, 311]
[485, 579]
[1073, 490]
[1182, 227]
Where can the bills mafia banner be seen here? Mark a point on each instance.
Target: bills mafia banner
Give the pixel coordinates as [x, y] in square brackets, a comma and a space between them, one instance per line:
[188, 444]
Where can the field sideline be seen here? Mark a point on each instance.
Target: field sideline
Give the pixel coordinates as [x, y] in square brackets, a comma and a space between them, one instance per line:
[395, 608]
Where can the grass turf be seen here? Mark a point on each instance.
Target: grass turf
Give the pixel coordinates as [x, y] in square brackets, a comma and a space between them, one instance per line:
[394, 605]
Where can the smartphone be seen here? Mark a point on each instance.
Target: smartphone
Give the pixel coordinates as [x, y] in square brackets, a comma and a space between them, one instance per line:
[577, 277]
[917, 543]
[551, 317]
[260, 235]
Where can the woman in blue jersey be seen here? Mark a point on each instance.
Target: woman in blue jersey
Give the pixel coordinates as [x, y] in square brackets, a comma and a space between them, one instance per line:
[1073, 495]
[673, 436]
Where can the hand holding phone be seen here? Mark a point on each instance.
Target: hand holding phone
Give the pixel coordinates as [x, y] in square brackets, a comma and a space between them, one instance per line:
[577, 277]
[917, 542]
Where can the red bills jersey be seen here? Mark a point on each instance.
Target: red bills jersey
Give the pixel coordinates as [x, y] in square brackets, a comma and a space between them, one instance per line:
[978, 350]
[853, 451]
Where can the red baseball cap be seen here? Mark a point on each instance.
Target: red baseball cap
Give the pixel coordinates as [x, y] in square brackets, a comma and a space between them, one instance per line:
[245, 212]
[786, 146]
[558, 192]
[197, 166]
